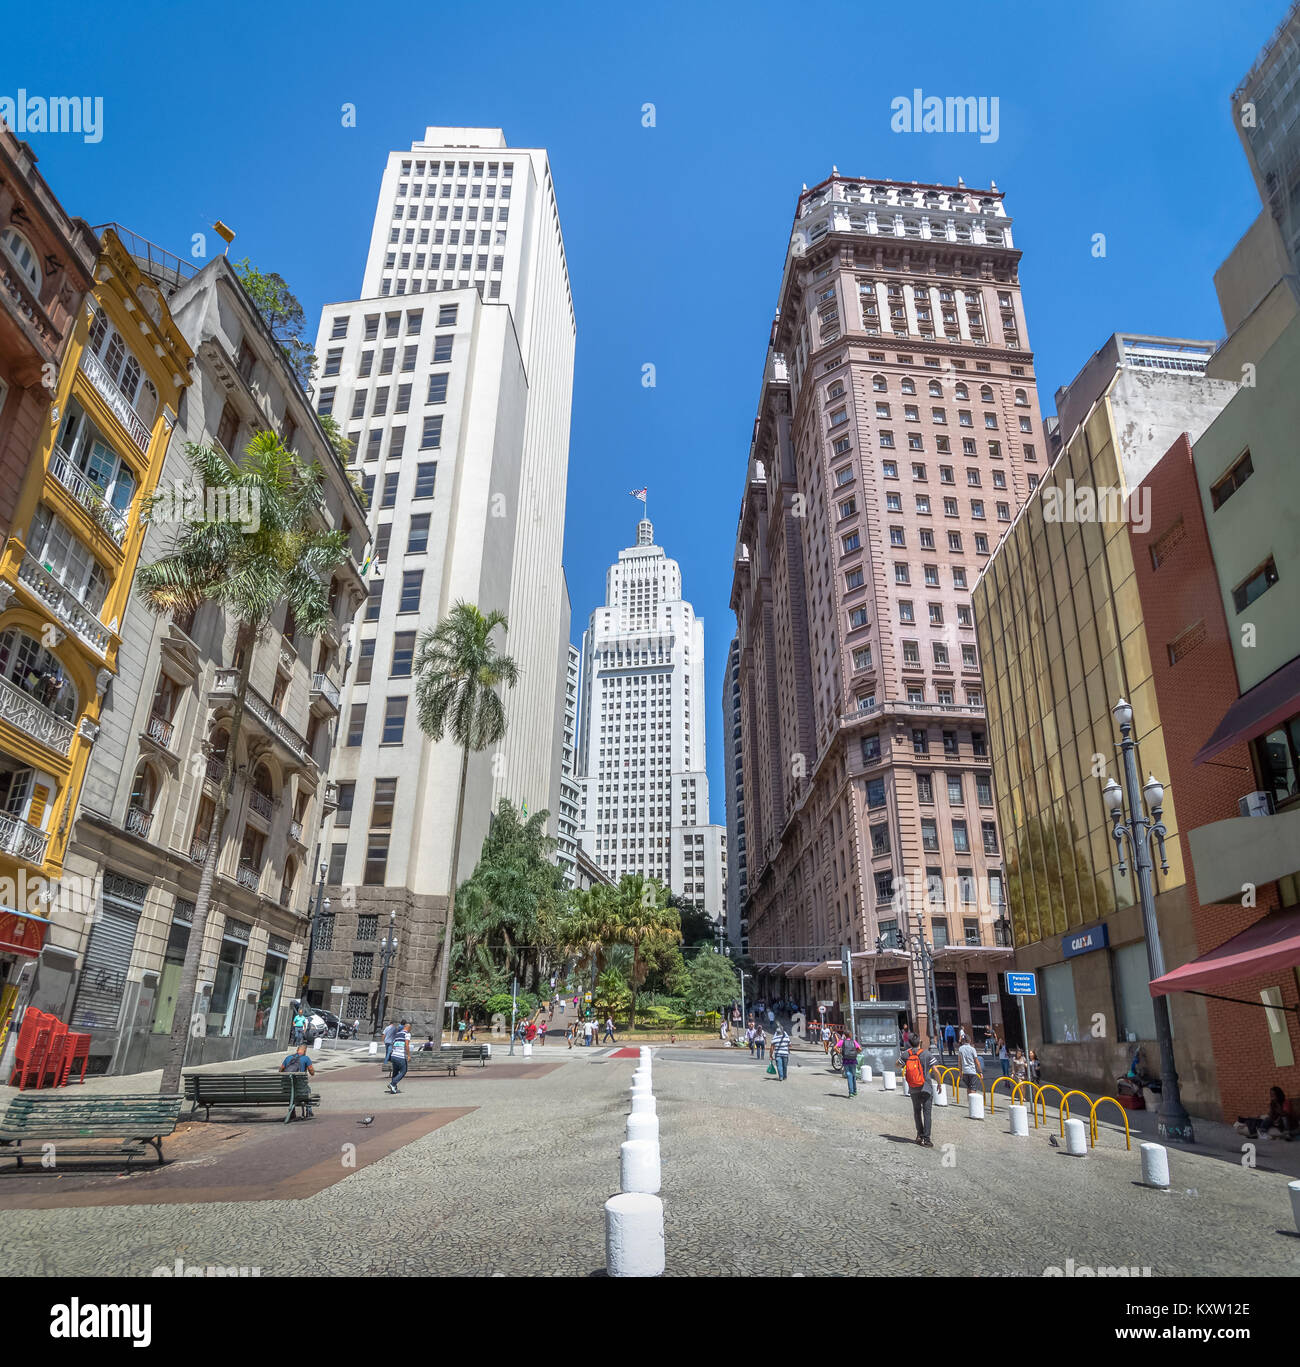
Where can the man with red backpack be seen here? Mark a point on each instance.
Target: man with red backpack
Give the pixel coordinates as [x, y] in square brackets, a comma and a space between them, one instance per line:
[919, 1064]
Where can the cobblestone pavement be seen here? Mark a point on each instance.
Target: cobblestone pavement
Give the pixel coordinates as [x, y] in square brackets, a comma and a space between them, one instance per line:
[758, 1176]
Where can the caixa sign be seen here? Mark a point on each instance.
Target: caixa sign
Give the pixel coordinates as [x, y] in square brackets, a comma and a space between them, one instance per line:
[1084, 941]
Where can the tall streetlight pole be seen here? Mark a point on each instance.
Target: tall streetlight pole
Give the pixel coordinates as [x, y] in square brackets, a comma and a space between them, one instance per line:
[387, 953]
[1139, 831]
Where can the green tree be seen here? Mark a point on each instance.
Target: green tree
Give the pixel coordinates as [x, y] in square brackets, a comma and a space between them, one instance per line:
[251, 575]
[457, 674]
[283, 314]
[643, 921]
[712, 982]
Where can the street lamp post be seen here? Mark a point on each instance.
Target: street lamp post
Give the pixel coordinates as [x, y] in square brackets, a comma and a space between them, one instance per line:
[387, 953]
[916, 943]
[1139, 830]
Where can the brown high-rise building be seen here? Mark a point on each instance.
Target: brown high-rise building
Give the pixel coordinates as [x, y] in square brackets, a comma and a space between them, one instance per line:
[897, 435]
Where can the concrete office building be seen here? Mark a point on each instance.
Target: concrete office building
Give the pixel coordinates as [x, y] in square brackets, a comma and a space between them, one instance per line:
[452, 374]
[1060, 614]
[897, 435]
[645, 792]
[734, 760]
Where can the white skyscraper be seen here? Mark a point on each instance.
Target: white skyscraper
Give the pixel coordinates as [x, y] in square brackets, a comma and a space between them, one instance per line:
[645, 792]
[453, 377]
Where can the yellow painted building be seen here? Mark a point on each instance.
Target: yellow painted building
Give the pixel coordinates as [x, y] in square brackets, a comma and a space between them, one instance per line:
[67, 568]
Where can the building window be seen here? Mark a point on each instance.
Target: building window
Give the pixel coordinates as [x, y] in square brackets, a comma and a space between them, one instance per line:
[417, 538]
[403, 655]
[365, 660]
[871, 748]
[367, 928]
[438, 388]
[960, 838]
[338, 857]
[374, 599]
[1059, 1014]
[412, 582]
[376, 866]
[394, 721]
[880, 839]
[929, 833]
[1255, 585]
[1133, 1004]
[363, 965]
[875, 793]
[431, 434]
[884, 887]
[385, 799]
[356, 724]
[920, 741]
[425, 474]
[925, 789]
[1221, 491]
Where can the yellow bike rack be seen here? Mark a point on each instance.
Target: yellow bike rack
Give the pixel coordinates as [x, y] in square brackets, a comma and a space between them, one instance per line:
[956, 1085]
[1065, 1106]
[1034, 1094]
[1092, 1121]
[1051, 1087]
[993, 1088]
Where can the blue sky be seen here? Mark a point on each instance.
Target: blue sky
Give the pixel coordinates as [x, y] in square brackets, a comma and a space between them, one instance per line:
[1114, 119]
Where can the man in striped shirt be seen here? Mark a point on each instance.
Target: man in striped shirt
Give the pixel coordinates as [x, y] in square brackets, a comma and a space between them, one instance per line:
[780, 1049]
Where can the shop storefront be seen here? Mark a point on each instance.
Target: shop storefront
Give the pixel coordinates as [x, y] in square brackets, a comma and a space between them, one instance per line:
[268, 997]
[223, 1005]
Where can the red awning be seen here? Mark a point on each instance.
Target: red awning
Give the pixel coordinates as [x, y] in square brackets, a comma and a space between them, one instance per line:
[21, 932]
[1270, 945]
[1271, 701]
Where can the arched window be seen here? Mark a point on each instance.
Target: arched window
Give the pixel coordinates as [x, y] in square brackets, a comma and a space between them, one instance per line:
[145, 788]
[20, 252]
[27, 665]
[986, 393]
[879, 384]
[909, 385]
[962, 392]
[912, 227]
[993, 236]
[286, 884]
[936, 389]
[1022, 399]
[261, 796]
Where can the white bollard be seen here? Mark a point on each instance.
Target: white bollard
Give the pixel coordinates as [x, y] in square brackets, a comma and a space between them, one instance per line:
[643, 1125]
[634, 1235]
[1076, 1138]
[1294, 1188]
[640, 1082]
[941, 1096]
[374, 1046]
[528, 1049]
[907, 1091]
[646, 1054]
[864, 1073]
[1019, 1122]
[643, 1103]
[975, 1105]
[889, 1080]
[639, 1166]
[1155, 1168]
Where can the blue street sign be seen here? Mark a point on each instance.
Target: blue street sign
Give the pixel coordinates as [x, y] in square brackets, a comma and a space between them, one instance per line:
[1022, 985]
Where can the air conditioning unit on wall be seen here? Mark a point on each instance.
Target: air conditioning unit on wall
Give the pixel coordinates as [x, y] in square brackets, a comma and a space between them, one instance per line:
[1255, 804]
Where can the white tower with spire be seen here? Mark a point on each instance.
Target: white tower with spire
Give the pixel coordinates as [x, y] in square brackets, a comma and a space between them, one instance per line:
[645, 792]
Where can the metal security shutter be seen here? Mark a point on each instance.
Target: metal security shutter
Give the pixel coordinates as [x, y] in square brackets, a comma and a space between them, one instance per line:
[98, 1001]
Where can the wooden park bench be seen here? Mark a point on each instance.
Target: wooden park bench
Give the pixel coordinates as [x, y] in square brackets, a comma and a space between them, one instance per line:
[481, 1052]
[434, 1061]
[290, 1090]
[135, 1120]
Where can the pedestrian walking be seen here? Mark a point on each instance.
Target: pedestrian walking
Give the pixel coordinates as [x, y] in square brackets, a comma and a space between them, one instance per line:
[1035, 1068]
[299, 1024]
[1004, 1058]
[399, 1055]
[1019, 1066]
[961, 1035]
[968, 1064]
[609, 1029]
[950, 1038]
[849, 1049]
[919, 1065]
[530, 1032]
[760, 1041]
[389, 1031]
[780, 1050]
[542, 1027]
[588, 1030]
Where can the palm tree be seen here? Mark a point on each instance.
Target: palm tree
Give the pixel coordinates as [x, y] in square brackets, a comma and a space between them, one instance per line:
[643, 921]
[250, 574]
[458, 672]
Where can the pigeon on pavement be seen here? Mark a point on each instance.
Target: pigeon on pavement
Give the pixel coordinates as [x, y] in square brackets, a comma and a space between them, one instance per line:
[366, 1120]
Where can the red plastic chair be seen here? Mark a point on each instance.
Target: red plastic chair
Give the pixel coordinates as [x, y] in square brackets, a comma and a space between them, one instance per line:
[32, 1023]
[53, 1065]
[33, 1067]
[76, 1051]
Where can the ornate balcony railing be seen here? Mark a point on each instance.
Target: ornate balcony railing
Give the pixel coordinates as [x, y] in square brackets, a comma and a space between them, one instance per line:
[199, 850]
[246, 876]
[330, 797]
[288, 655]
[89, 495]
[138, 821]
[295, 832]
[64, 604]
[216, 769]
[261, 804]
[21, 710]
[116, 400]
[22, 841]
[160, 730]
[321, 683]
[227, 681]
